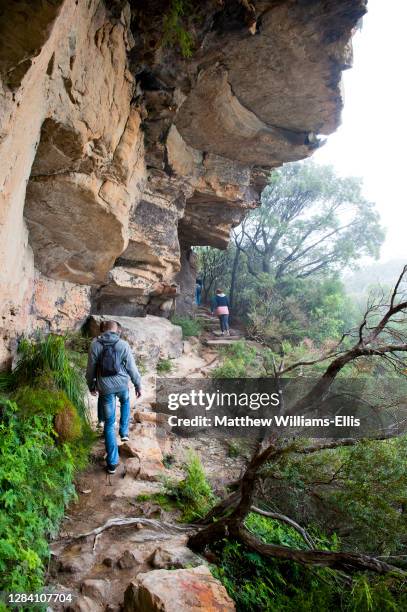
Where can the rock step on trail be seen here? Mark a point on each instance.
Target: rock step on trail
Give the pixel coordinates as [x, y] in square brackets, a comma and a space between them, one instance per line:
[120, 552]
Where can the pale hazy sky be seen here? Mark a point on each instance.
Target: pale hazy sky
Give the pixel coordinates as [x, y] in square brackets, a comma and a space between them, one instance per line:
[372, 140]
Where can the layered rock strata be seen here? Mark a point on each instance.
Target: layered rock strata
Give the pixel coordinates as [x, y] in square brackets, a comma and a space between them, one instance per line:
[117, 154]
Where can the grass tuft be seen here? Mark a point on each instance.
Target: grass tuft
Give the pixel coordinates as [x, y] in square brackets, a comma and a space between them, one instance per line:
[164, 366]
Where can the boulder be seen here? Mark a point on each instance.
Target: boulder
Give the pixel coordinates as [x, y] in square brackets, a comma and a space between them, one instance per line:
[174, 557]
[145, 448]
[126, 450]
[129, 560]
[150, 337]
[133, 466]
[182, 590]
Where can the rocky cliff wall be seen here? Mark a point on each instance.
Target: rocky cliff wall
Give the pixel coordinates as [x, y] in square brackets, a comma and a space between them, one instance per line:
[115, 149]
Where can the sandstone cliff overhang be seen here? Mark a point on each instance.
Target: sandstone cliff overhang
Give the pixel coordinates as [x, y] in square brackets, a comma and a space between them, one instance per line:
[117, 153]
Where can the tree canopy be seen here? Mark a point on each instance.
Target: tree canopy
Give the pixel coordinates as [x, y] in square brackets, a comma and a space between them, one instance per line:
[282, 267]
[310, 221]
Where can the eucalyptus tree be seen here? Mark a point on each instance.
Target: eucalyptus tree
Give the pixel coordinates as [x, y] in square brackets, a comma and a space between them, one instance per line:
[310, 221]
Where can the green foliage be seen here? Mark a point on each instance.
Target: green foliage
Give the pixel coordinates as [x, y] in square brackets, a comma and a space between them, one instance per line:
[164, 365]
[238, 358]
[77, 345]
[193, 495]
[361, 489]
[381, 594]
[44, 439]
[318, 220]
[233, 449]
[214, 268]
[36, 483]
[190, 326]
[174, 30]
[296, 310]
[258, 584]
[66, 420]
[161, 499]
[47, 359]
[282, 267]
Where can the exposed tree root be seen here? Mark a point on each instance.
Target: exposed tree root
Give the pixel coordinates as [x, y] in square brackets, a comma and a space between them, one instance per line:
[162, 526]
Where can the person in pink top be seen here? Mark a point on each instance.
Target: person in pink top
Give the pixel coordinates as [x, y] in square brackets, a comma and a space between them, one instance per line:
[220, 307]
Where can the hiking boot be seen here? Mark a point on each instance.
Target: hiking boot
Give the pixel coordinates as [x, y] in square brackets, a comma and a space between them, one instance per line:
[111, 469]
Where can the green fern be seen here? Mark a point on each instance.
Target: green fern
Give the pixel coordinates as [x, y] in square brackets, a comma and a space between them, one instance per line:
[193, 495]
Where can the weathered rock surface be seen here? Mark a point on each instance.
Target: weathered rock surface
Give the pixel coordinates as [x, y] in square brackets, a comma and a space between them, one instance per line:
[117, 154]
[71, 153]
[174, 557]
[95, 589]
[183, 590]
[150, 337]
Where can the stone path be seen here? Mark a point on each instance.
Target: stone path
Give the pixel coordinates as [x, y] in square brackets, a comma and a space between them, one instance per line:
[116, 546]
[213, 337]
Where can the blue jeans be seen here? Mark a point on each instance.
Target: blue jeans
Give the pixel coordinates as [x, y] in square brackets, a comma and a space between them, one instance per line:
[109, 408]
[198, 292]
[224, 322]
[101, 416]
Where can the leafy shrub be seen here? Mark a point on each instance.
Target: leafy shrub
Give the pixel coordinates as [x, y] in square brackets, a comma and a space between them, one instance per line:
[168, 460]
[164, 365]
[67, 424]
[36, 483]
[77, 345]
[237, 358]
[362, 489]
[194, 495]
[190, 327]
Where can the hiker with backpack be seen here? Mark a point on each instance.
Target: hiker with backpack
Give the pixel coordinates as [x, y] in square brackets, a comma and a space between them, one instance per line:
[110, 367]
[220, 307]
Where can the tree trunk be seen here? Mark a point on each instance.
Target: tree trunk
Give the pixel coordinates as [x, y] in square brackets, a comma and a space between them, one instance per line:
[265, 264]
[234, 277]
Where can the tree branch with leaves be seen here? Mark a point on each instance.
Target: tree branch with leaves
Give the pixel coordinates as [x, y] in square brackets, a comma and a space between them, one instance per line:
[375, 337]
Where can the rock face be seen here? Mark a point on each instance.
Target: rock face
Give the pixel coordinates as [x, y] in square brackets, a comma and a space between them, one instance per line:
[150, 337]
[182, 590]
[117, 154]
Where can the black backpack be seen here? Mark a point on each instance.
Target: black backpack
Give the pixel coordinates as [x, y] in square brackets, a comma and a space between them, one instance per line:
[109, 363]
